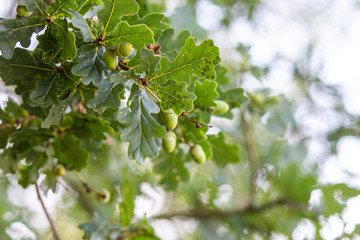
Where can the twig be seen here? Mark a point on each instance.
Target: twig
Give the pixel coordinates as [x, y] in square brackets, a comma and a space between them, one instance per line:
[197, 124]
[57, 236]
[88, 188]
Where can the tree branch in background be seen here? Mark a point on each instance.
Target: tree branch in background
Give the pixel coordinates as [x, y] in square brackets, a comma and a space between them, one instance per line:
[56, 234]
[251, 151]
[216, 214]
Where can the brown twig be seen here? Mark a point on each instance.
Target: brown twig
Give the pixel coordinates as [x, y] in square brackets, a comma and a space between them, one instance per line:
[197, 124]
[52, 224]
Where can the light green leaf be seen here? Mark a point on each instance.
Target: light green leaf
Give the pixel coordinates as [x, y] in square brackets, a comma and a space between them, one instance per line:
[17, 30]
[170, 46]
[91, 64]
[175, 96]
[205, 94]
[223, 152]
[138, 35]
[171, 167]
[234, 97]
[141, 127]
[69, 153]
[192, 60]
[109, 95]
[151, 20]
[110, 15]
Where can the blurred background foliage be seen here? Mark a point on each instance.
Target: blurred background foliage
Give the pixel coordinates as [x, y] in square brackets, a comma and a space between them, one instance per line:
[274, 192]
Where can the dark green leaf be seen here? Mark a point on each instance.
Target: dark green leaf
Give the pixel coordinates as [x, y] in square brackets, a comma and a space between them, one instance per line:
[91, 64]
[45, 92]
[5, 131]
[141, 128]
[109, 95]
[65, 38]
[69, 153]
[30, 173]
[17, 30]
[47, 49]
[8, 161]
[21, 67]
[26, 139]
[86, 127]
[79, 22]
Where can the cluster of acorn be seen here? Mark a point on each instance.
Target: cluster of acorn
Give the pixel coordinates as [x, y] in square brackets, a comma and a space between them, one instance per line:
[122, 50]
[170, 120]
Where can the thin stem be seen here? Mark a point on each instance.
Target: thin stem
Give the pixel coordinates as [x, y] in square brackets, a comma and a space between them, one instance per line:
[88, 188]
[57, 236]
[198, 125]
[107, 46]
[152, 94]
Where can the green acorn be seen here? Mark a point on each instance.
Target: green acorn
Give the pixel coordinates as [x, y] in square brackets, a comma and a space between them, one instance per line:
[124, 49]
[110, 59]
[169, 142]
[221, 107]
[59, 170]
[103, 196]
[170, 119]
[198, 154]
